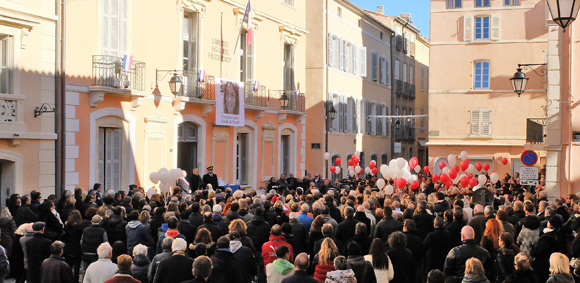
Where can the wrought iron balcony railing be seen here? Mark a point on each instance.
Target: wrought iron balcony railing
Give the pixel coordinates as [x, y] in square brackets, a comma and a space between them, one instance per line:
[399, 88]
[296, 101]
[108, 71]
[193, 88]
[256, 98]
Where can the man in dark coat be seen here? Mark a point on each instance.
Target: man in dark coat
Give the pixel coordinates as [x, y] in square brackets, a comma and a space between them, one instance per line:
[300, 275]
[54, 269]
[387, 225]
[195, 180]
[210, 178]
[423, 220]
[456, 258]
[231, 216]
[115, 226]
[436, 246]
[176, 268]
[332, 209]
[361, 216]
[24, 214]
[37, 250]
[346, 229]
[477, 222]
[195, 218]
[216, 232]
[225, 267]
[201, 269]
[92, 237]
[300, 235]
[454, 227]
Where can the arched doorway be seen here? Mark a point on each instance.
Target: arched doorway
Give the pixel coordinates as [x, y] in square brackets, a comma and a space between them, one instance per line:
[187, 137]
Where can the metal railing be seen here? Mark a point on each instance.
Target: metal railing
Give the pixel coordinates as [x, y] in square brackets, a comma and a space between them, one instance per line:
[407, 90]
[399, 42]
[412, 91]
[399, 88]
[256, 98]
[108, 71]
[536, 130]
[192, 87]
[296, 101]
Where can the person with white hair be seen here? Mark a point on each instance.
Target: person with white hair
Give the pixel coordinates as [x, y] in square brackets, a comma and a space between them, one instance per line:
[102, 269]
[177, 268]
[141, 262]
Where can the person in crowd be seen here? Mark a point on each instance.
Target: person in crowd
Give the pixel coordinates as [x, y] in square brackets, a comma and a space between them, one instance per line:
[505, 256]
[166, 253]
[456, 258]
[4, 263]
[300, 275]
[323, 261]
[454, 228]
[54, 269]
[522, 272]
[203, 242]
[436, 246]
[342, 272]
[315, 233]
[360, 237]
[358, 264]
[7, 229]
[474, 272]
[195, 181]
[550, 242]
[92, 237]
[141, 263]
[176, 268]
[346, 229]
[69, 206]
[225, 267]
[209, 225]
[115, 225]
[402, 258]
[102, 269]
[14, 203]
[136, 232]
[35, 198]
[490, 238]
[560, 269]
[529, 234]
[269, 248]
[24, 213]
[435, 276]
[172, 223]
[210, 178]
[281, 267]
[37, 250]
[304, 218]
[201, 270]
[382, 264]
[240, 226]
[243, 255]
[300, 235]
[123, 273]
[387, 225]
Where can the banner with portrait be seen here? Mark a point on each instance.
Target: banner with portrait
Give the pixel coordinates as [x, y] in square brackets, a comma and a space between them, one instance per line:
[229, 103]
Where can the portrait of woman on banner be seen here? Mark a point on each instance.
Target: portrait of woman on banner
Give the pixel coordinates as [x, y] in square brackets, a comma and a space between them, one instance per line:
[231, 92]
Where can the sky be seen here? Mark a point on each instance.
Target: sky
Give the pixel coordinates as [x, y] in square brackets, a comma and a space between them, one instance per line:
[419, 10]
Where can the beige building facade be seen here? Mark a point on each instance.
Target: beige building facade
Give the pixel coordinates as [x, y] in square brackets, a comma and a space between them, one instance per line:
[350, 71]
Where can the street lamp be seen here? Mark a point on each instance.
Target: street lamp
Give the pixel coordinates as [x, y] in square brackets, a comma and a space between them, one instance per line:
[330, 115]
[519, 82]
[175, 84]
[563, 12]
[284, 101]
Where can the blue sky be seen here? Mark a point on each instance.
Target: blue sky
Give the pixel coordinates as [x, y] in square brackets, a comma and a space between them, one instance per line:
[419, 10]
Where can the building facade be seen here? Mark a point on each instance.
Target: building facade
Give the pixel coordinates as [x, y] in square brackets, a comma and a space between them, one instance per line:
[421, 124]
[476, 47]
[29, 70]
[129, 123]
[354, 78]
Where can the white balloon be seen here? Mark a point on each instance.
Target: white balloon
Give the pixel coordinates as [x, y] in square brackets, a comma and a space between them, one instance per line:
[417, 169]
[463, 155]
[357, 154]
[406, 168]
[457, 179]
[413, 178]
[162, 170]
[462, 175]
[407, 176]
[384, 170]
[393, 163]
[164, 187]
[337, 170]
[151, 192]
[154, 177]
[451, 159]
[351, 173]
[475, 188]
[367, 170]
[481, 179]
[401, 162]
[494, 177]
[389, 189]
[399, 173]
[165, 178]
[445, 170]
[326, 156]
[471, 168]
[380, 184]
[350, 168]
[175, 173]
[358, 169]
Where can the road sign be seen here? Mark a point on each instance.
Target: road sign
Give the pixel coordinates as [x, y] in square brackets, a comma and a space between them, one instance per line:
[529, 175]
[529, 182]
[529, 158]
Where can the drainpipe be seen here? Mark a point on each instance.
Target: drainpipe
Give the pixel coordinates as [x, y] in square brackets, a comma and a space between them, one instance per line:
[326, 102]
[59, 100]
[571, 137]
[393, 95]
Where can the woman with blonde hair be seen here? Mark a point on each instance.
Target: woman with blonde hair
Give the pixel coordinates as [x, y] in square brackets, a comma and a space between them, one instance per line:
[490, 239]
[324, 261]
[522, 272]
[560, 269]
[238, 225]
[474, 271]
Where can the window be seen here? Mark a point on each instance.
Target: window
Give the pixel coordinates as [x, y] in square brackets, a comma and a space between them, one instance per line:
[422, 78]
[363, 61]
[374, 66]
[384, 159]
[242, 158]
[481, 121]
[109, 171]
[422, 118]
[288, 67]
[115, 27]
[342, 114]
[405, 72]
[289, 2]
[354, 66]
[368, 119]
[187, 146]
[411, 75]
[246, 61]
[374, 158]
[511, 2]
[335, 125]
[5, 64]
[347, 56]
[397, 66]
[286, 155]
[451, 4]
[386, 124]
[330, 46]
[481, 75]
[384, 74]
[482, 27]
[340, 53]
[351, 115]
[379, 120]
[339, 12]
[190, 48]
[481, 3]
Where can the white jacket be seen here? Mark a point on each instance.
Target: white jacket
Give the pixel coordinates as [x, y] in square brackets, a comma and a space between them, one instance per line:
[100, 271]
[383, 275]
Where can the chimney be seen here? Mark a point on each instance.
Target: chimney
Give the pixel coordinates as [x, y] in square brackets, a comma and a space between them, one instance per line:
[381, 9]
[406, 17]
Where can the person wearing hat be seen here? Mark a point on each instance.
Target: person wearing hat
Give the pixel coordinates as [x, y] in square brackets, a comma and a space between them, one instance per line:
[551, 241]
[37, 250]
[225, 267]
[210, 178]
[92, 237]
[244, 256]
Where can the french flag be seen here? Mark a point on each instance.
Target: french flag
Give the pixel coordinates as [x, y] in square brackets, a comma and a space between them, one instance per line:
[248, 20]
[256, 85]
[201, 76]
[127, 62]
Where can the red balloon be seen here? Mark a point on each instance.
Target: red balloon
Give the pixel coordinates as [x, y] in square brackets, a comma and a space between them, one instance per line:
[401, 183]
[473, 182]
[372, 165]
[464, 181]
[435, 178]
[442, 165]
[337, 161]
[356, 160]
[332, 169]
[375, 170]
[426, 169]
[444, 178]
[448, 184]
[464, 164]
[414, 185]
[470, 176]
[504, 161]
[452, 174]
[478, 166]
[456, 168]
[486, 166]
[413, 162]
[350, 162]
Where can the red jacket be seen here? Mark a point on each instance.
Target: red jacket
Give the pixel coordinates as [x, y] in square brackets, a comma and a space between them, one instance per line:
[321, 270]
[269, 249]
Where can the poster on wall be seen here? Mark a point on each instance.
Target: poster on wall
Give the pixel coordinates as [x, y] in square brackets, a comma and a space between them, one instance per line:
[229, 103]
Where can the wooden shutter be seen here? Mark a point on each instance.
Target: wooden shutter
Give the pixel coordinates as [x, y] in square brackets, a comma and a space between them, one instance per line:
[374, 66]
[115, 44]
[475, 121]
[344, 116]
[250, 64]
[467, 28]
[486, 122]
[341, 54]
[330, 50]
[354, 60]
[345, 59]
[397, 70]
[353, 116]
[116, 159]
[387, 79]
[495, 27]
[422, 78]
[124, 27]
[101, 171]
[5, 64]
[363, 61]
[109, 173]
[106, 19]
[405, 72]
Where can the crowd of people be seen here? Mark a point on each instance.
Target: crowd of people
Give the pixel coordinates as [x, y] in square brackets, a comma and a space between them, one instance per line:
[299, 230]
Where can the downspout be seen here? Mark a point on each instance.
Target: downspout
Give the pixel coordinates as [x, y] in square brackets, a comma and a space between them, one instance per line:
[393, 96]
[59, 100]
[325, 106]
[570, 139]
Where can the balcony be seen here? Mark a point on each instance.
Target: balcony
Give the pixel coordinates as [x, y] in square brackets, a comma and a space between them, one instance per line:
[108, 72]
[412, 91]
[256, 98]
[407, 89]
[296, 101]
[399, 88]
[193, 88]
[536, 130]
[399, 42]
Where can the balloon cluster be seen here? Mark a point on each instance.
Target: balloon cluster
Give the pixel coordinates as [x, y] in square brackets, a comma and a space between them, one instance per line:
[166, 177]
[450, 172]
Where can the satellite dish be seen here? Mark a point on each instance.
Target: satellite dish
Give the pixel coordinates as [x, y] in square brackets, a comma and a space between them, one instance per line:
[483, 196]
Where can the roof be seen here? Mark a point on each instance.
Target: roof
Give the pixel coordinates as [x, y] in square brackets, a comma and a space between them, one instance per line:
[397, 18]
[363, 11]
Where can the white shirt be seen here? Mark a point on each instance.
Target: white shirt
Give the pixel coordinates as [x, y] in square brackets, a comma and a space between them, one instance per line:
[100, 271]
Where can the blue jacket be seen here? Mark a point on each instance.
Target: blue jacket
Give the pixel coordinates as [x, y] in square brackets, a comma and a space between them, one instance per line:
[137, 233]
[305, 220]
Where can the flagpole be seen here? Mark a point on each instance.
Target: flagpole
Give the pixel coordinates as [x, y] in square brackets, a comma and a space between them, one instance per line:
[238, 39]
